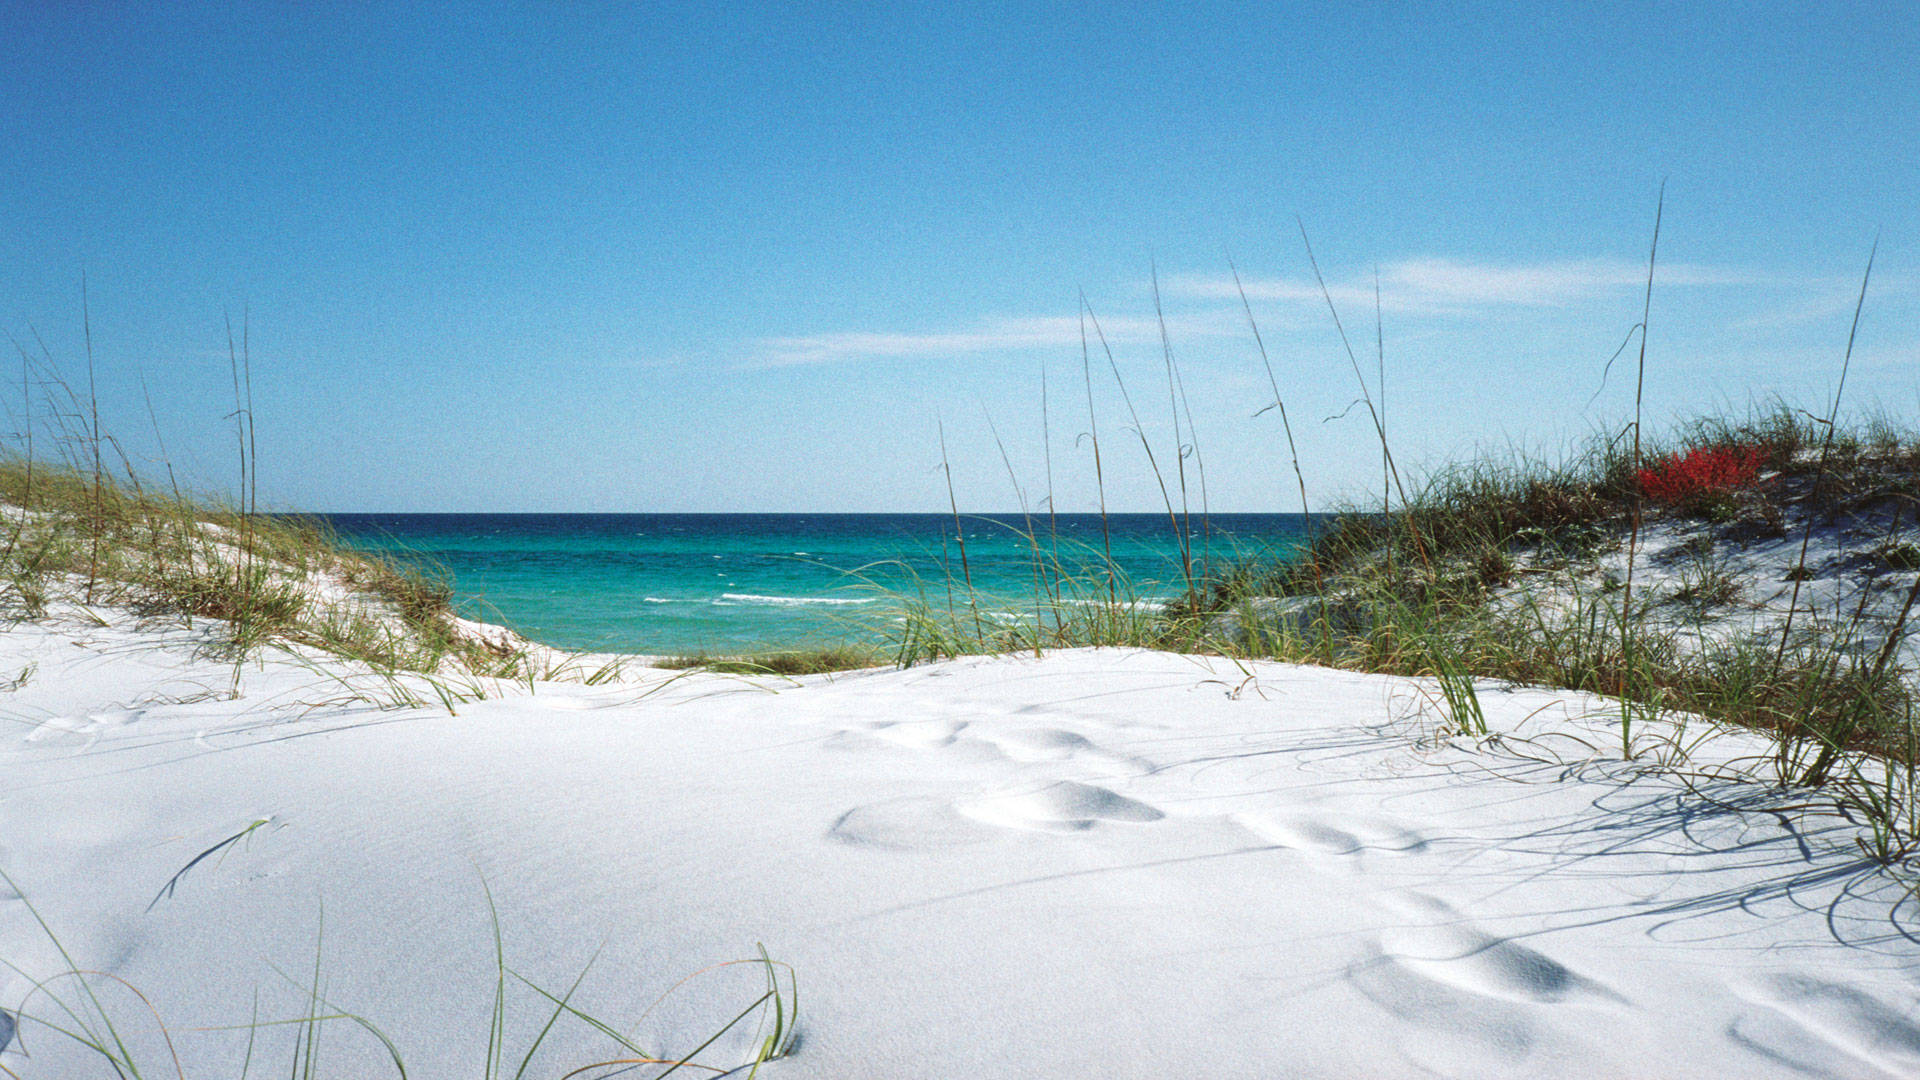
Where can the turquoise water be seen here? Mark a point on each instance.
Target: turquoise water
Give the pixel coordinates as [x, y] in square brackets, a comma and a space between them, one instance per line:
[683, 583]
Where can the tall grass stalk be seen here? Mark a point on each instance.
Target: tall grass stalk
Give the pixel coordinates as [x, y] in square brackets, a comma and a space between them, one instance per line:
[1639, 497]
[26, 405]
[1293, 451]
[159, 441]
[26, 503]
[1279, 401]
[242, 424]
[1183, 528]
[1826, 448]
[1379, 426]
[959, 532]
[1380, 380]
[1032, 537]
[1200, 468]
[93, 412]
[1093, 434]
[1140, 429]
[1046, 450]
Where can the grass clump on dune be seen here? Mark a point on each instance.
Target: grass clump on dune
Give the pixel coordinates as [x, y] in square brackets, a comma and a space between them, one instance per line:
[1772, 595]
[786, 662]
[79, 525]
[1526, 571]
[72, 537]
[1775, 588]
[1498, 543]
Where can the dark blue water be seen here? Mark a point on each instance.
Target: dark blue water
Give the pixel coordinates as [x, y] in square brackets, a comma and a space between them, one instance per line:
[680, 583]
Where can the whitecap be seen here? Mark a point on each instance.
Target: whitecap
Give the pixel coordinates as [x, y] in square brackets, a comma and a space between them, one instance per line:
[790, 601]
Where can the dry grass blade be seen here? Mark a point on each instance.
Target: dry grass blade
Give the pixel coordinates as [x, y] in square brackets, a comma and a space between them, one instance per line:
[1826, 445]
[1639, 504]
[1379, 426]
[1140, 430]
[1093, 431]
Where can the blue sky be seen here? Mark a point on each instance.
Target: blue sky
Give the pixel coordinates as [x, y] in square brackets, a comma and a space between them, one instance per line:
[602, 257]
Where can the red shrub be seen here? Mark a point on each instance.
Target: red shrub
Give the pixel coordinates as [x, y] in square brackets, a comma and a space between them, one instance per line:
[1702, 471]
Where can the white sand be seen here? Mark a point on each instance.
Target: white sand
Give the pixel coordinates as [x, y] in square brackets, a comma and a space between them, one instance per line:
[1101, 863]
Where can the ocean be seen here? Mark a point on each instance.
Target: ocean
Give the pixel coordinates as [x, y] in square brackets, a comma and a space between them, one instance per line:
[688, 583]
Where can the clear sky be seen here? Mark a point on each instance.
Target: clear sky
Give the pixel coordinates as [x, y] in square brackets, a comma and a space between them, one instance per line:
[674, 257]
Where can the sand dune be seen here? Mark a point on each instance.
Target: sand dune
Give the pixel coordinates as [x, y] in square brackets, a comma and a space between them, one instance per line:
[1096, 863]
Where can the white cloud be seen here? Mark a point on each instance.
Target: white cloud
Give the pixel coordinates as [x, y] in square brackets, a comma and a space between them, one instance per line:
[1832, 300]
[992, 336]
[1436, 285]
[1418, 286]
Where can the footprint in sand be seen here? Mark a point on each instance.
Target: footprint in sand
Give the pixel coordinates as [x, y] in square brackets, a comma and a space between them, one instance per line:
[1350, 836]
[1447, 1026]
[920, 734]
[1440, 944]
[1826, 1016]
[1480, 963]
[1786, 1044]
[907, 824]
[1029, 745]
[86, 729]
[1040, 744]
[55, 727]
[1468, 995]
[1065, 806]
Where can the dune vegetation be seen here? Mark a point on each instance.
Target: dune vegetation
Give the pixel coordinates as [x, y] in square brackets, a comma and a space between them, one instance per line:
[1755, 570]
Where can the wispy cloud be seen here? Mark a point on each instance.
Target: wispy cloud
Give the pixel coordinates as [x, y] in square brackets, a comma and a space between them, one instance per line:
[991, 336]
[1420, 286]
[1435, 285]
[1832, 300]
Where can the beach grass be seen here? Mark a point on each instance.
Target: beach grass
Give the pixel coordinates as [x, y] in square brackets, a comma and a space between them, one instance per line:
[82, 525]
[83, 1008]
[814, 660]
[253, 580]
[1515, 570]
[1535, 572]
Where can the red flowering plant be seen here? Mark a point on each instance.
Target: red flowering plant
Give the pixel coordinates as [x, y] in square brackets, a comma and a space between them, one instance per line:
[1703, 480]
